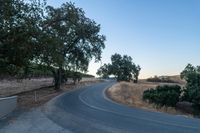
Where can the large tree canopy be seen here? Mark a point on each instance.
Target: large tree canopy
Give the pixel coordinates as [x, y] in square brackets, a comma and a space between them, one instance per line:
[77, 37]
[74, 37]
[122, 67]
[60, 38]
[19, 28]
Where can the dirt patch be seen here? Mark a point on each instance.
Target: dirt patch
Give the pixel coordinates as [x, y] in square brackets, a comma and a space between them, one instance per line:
[131, 94]
[15, 86]
[38, 97]
[37, 91]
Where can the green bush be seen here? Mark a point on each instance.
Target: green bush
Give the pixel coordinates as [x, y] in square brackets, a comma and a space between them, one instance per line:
[167, 95]
[191, 92]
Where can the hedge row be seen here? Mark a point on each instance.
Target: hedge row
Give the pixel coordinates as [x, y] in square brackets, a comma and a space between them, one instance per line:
[167, 95]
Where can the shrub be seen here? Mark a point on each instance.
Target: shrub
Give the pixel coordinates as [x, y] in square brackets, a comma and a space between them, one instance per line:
[154, 79]
[167, 95]
[192, 90]
[160, 79]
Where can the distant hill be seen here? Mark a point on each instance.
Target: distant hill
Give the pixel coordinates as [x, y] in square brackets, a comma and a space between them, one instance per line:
[166, 79]
[177, 79]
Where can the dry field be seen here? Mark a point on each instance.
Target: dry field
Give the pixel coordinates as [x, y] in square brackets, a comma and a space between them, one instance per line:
[131, 94]
[11, 87]
[38, 97]
[36, 92]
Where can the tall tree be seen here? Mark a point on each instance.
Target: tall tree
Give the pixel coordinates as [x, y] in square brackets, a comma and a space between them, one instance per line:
[19, 28]
[122, 67]
[136, 72]
[75, 39]
[57, 38]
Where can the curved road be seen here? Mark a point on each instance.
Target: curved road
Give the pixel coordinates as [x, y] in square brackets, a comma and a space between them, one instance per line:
[87, 110]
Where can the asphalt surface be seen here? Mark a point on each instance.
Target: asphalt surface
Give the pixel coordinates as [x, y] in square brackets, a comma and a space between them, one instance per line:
[32, 121]
[88, 110]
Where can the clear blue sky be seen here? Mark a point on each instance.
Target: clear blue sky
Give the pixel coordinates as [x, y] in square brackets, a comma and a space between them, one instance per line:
[162, 36]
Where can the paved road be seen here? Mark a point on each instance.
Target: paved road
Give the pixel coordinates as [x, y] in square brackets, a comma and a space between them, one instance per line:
[32, 121]
[89, 111]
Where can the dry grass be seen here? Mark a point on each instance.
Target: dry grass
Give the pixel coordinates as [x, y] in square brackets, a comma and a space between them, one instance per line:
[11, 87]
[36, 92]
[177, 79]
[35, 98]
[131, 94]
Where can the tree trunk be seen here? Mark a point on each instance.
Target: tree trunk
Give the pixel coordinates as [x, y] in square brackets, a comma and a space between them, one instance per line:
[136, 79]
[74, 79]
[57, 74]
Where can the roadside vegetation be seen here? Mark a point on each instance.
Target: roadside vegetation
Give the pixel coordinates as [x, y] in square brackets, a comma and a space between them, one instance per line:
[37, 97]
[191, 92]
[177, 97]
[165, 95]
[131, 94]
[40, 40]
[122, 67]
[171, 95]
[163, 79]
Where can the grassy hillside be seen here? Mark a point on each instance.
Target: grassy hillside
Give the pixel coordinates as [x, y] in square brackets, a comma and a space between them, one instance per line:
[166, 79]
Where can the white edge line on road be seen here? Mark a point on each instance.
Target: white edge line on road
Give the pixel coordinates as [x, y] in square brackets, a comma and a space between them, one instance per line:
[142, 118]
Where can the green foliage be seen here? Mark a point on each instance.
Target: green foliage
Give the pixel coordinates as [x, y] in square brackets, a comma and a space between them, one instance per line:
[75, 37]
[189, 69]
[103, 71]
[163, 95]
[136, 72]
[169, 95]
[122, 67]
[38, 70]
[192, 90]
[18, 34]
[60, 38]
